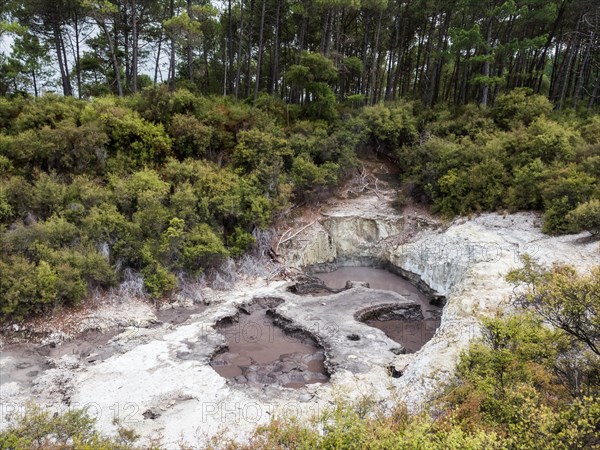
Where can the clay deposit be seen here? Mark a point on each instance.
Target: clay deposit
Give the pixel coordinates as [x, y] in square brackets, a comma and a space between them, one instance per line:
[158, 379]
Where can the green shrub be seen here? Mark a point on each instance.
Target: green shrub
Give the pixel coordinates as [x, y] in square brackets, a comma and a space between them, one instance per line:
[519, 107]
[240, 241]
[526, 189]
[6, 210]
[562, 191]
[202, 248]
[134, 140]
[311, 180]
[586, 217]
[39, 428]
[78, 177]
[158, 281]
[391, 126]
[590, 131]
[26, 288]
[547, 140]
[191, 138]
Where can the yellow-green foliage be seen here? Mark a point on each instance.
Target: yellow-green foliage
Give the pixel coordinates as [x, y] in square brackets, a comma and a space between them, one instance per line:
[37, 428]
[587, 216]
[105, 179]
[520, 107]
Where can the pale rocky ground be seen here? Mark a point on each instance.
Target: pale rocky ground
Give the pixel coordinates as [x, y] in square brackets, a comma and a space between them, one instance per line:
[164, 370]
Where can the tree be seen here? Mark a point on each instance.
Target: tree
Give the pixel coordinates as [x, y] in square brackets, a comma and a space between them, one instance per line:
[562, 297]
[103, 11]
[313, 78]
[31, 59]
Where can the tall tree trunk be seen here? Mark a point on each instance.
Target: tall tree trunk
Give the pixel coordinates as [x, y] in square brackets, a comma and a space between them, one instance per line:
[206, 73]
[365, 60]
[189, 49]
[375, 61]
[34, 80]
[225, 66]
[260, 49]
[113, 55]
[486, 65]
[595, 93]
[238, 75]
[389, 85]
[425, 72]
[126, 47]
[549, 39]
[419, 53]
[566, 79]
[229, 87]
[553, 91]
[582, 70]
[159, 49]
[442, 46]
[77, 54]
[325, 35]
[302, 32]
[62, 63]
[134, 49]
[465, 77]
[249, 49]
[275, 60]
[172, 56]
[337, 34]
[158, 55]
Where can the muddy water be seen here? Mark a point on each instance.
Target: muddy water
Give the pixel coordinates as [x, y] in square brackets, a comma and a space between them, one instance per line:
[260, 352]
[22, 363]
[380, 279]
[411, 334]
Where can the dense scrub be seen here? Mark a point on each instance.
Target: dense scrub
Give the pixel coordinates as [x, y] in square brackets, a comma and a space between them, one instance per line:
[168, 184]
[165, 184]
[518, 155]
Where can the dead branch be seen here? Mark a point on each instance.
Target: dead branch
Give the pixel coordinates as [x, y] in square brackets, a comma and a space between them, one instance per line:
[283, 241]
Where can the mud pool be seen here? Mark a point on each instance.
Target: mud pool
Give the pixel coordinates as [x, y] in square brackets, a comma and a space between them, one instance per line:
[259, 351]
[412, 334]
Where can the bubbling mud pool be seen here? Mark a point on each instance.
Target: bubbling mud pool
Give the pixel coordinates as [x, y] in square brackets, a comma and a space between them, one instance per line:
[411, 334]
[260, 352]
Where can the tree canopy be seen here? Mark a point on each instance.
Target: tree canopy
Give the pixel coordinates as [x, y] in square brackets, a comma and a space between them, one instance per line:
[308, 52]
